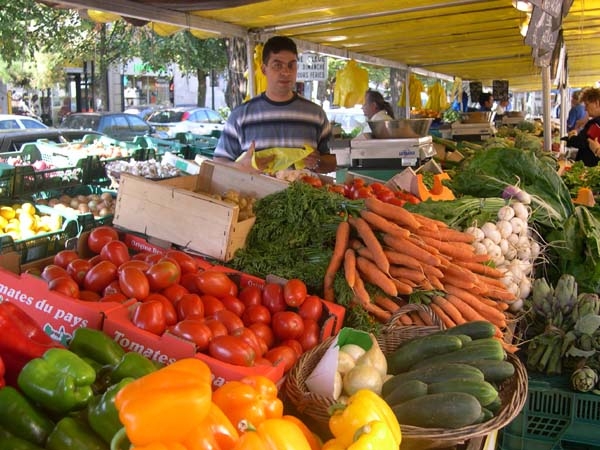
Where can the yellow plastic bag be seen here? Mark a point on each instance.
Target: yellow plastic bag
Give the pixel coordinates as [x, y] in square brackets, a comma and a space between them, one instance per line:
[260, 80]
[351, 83]
[415, 87]
[281, 158]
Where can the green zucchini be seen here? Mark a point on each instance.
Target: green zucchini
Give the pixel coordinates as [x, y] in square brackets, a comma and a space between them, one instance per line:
[445, 410]
[489, 348]
[494, 371]
[433, 374]
[406, 391]
[418, 348]
[481, 390]
[477, 329]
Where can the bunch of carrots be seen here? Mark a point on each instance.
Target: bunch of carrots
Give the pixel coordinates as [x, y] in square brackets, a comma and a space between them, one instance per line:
[401, 252]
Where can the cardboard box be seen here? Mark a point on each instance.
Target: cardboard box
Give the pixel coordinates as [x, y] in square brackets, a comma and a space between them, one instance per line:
[176, 211]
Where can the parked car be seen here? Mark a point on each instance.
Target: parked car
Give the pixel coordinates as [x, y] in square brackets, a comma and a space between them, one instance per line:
[186, 119]
[18, 122]
[143, 111]
[119, 126]
[13, 140]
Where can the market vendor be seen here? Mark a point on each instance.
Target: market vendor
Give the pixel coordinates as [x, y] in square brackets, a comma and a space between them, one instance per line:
[587, 140]
[376, 108]
[486, 101]
[278, 117]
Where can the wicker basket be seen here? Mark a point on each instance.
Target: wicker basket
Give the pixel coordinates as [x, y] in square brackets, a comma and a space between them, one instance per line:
[513, 392]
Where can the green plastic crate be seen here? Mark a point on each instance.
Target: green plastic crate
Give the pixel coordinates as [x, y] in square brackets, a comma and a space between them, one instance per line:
[554, 418]
[27, 181]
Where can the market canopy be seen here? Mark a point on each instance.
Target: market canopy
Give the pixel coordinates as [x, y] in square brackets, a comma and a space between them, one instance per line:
[476, 40]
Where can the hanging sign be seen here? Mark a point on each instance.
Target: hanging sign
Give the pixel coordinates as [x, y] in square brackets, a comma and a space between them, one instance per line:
[500, 90]
[311, 67]
[475, 90]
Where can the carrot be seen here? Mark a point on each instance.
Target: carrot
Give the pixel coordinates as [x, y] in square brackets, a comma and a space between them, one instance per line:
[445, 318]
[364, 252]
[482, 269]
[408, 248]
[417, 240]
[501, 294]
[431, 271]
[429, 222]
[449, 309]
[490, 313]
[362, 298]
[416, 318]
[395, 213]
[458, 281]
[372, 243]
[458, 251]
[426, 285]
[487, 281]
[405, 319]
[382, 224]
[447, 234]
[342, 237]
[510, 348]
[386, 303]
[380, 314]
[350, 267]
[402, 259]
[404, 287]
[465, 309]
[425, 318]
[374, 275]
[360, 292]
[456, 271]
[400, 273]
[436, 283]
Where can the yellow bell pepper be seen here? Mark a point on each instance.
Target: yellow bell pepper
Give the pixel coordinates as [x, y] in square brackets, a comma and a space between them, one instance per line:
[362, 408]
[165, 406]
[273, 434]
[376, 435]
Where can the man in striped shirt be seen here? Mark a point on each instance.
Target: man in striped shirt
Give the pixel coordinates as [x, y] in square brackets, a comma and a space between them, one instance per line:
[278, 117]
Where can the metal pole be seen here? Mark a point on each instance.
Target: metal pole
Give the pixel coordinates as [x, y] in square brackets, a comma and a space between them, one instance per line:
[546, 108]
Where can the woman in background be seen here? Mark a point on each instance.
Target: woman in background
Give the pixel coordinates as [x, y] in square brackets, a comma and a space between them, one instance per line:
[376, 108]
[587, 140]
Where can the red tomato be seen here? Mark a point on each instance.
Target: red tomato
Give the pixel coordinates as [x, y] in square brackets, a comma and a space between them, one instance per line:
[232, 350]
[169, 309]
[194, 330]
[264, 332]
[141, 256]
[150, 316]
[337, 188]
[117, 297]
[186, 262]
[396, 201]
[248, 336]
[216, 327]
[95, 259]
[89, 296]
[294, 345]
[77, 269]
[231, 320]
[377, 187]
[153, 258]
[136, 263]
[272, 297]
[188, 281]
[256, 313]
[99, 236]
[100, 276]
[52, 271]
[190, 306]
[211, 305]
[250, 295]
[311, 308]
[113, 288]
[385, 195]
[215, 283]
[115, 252]
[64, 257]
[233, 304]
[133, 283]
[65, 285]
[294, 292]
[287, 325]
[282, 354]
[163, 274]
[310, 336]
[174, 292]
[363, 192]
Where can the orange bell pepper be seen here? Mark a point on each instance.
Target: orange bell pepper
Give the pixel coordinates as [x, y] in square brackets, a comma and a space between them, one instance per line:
[252, 399]
[215, 433]
[273, 434]
[313, 440]
[167, 405]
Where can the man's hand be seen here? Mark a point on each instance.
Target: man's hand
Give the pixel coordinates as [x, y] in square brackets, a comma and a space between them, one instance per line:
[245, 161]
[594, 146]
[311, 162]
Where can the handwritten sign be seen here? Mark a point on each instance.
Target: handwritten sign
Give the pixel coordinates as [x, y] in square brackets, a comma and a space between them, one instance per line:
[311, 67]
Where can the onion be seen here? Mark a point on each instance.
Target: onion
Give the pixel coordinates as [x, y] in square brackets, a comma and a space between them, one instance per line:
[506, 213]
[521, 211]
[505, 228]
[519, 225]
[491, 232]
[515, 192]
[476, 233]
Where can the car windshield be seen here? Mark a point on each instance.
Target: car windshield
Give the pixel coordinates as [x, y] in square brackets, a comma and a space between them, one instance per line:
[166, 116]
[81, 122]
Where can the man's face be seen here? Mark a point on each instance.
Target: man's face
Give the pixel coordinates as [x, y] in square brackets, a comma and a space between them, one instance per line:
[281, 71]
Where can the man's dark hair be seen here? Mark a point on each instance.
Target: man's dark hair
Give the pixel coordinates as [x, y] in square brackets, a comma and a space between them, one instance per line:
[484, 97]
[277, 44]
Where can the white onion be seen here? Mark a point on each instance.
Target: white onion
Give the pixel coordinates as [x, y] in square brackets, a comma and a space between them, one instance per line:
[476, 233]
[519, 225]
[521, 210]
[479, 248]
[524, 288]
[513, 239]
[506, 213]
[505, 228]
[491, 232]
[516, 306]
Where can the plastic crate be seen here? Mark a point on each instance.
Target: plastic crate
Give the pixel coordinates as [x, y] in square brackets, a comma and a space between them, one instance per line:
[27, 181]
[159, 146]
[7, 180]
[554, 418]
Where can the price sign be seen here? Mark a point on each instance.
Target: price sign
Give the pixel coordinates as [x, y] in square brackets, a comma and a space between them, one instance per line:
[311, 67]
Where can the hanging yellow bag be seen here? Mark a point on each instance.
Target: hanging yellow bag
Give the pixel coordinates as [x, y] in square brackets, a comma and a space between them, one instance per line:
[415, 87]
[272, 160]
[260, 80]
[351, 83]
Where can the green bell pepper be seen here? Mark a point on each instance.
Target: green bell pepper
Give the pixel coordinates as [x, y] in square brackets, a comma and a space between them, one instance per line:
[96, 345]
[60, 381]
[72, 434]
[21, 418]
[132, 365]
[102, 414]
[9, 441]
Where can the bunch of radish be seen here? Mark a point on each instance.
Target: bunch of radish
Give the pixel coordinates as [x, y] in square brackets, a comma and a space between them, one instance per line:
[511, 244]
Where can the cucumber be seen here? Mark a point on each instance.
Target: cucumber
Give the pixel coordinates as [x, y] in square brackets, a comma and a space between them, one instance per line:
[483, 391]
[418, 348]
[433, 374]
[477, 329]
[406, 391]
[495, 406]
[494, 371]
[488, 348]
[464, 338]
[446, 410]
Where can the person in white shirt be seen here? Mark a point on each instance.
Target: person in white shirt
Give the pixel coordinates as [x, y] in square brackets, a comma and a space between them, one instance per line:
[376, 108]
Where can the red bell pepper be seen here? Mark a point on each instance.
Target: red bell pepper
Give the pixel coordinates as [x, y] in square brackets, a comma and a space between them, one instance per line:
[21, 340]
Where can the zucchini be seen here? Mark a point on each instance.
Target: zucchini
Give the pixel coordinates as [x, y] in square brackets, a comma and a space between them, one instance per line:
[489, 348]
[477, 329]
[418, 348]
[446, 410]
[494, 371]
[483, 391]
[406, 391]
[433, 374]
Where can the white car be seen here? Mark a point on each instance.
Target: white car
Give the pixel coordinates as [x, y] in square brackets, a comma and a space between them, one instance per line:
[196, 120]
[17, 122]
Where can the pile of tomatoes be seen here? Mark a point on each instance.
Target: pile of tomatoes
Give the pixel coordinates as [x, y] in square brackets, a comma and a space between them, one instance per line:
[359, 188]
[249, 326]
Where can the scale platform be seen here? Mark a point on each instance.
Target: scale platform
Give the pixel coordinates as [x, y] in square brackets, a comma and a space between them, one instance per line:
[512, 120]
[406, 152]
[480, 131]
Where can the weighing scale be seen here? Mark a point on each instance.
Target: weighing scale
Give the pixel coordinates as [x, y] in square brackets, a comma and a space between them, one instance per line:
[473, 131]
[512, 120]
[390, 153]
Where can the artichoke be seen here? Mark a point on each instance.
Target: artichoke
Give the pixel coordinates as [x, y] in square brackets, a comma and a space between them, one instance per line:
[584, 379]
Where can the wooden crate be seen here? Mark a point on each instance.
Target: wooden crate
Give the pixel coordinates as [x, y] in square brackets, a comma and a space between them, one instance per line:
[181, 210]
